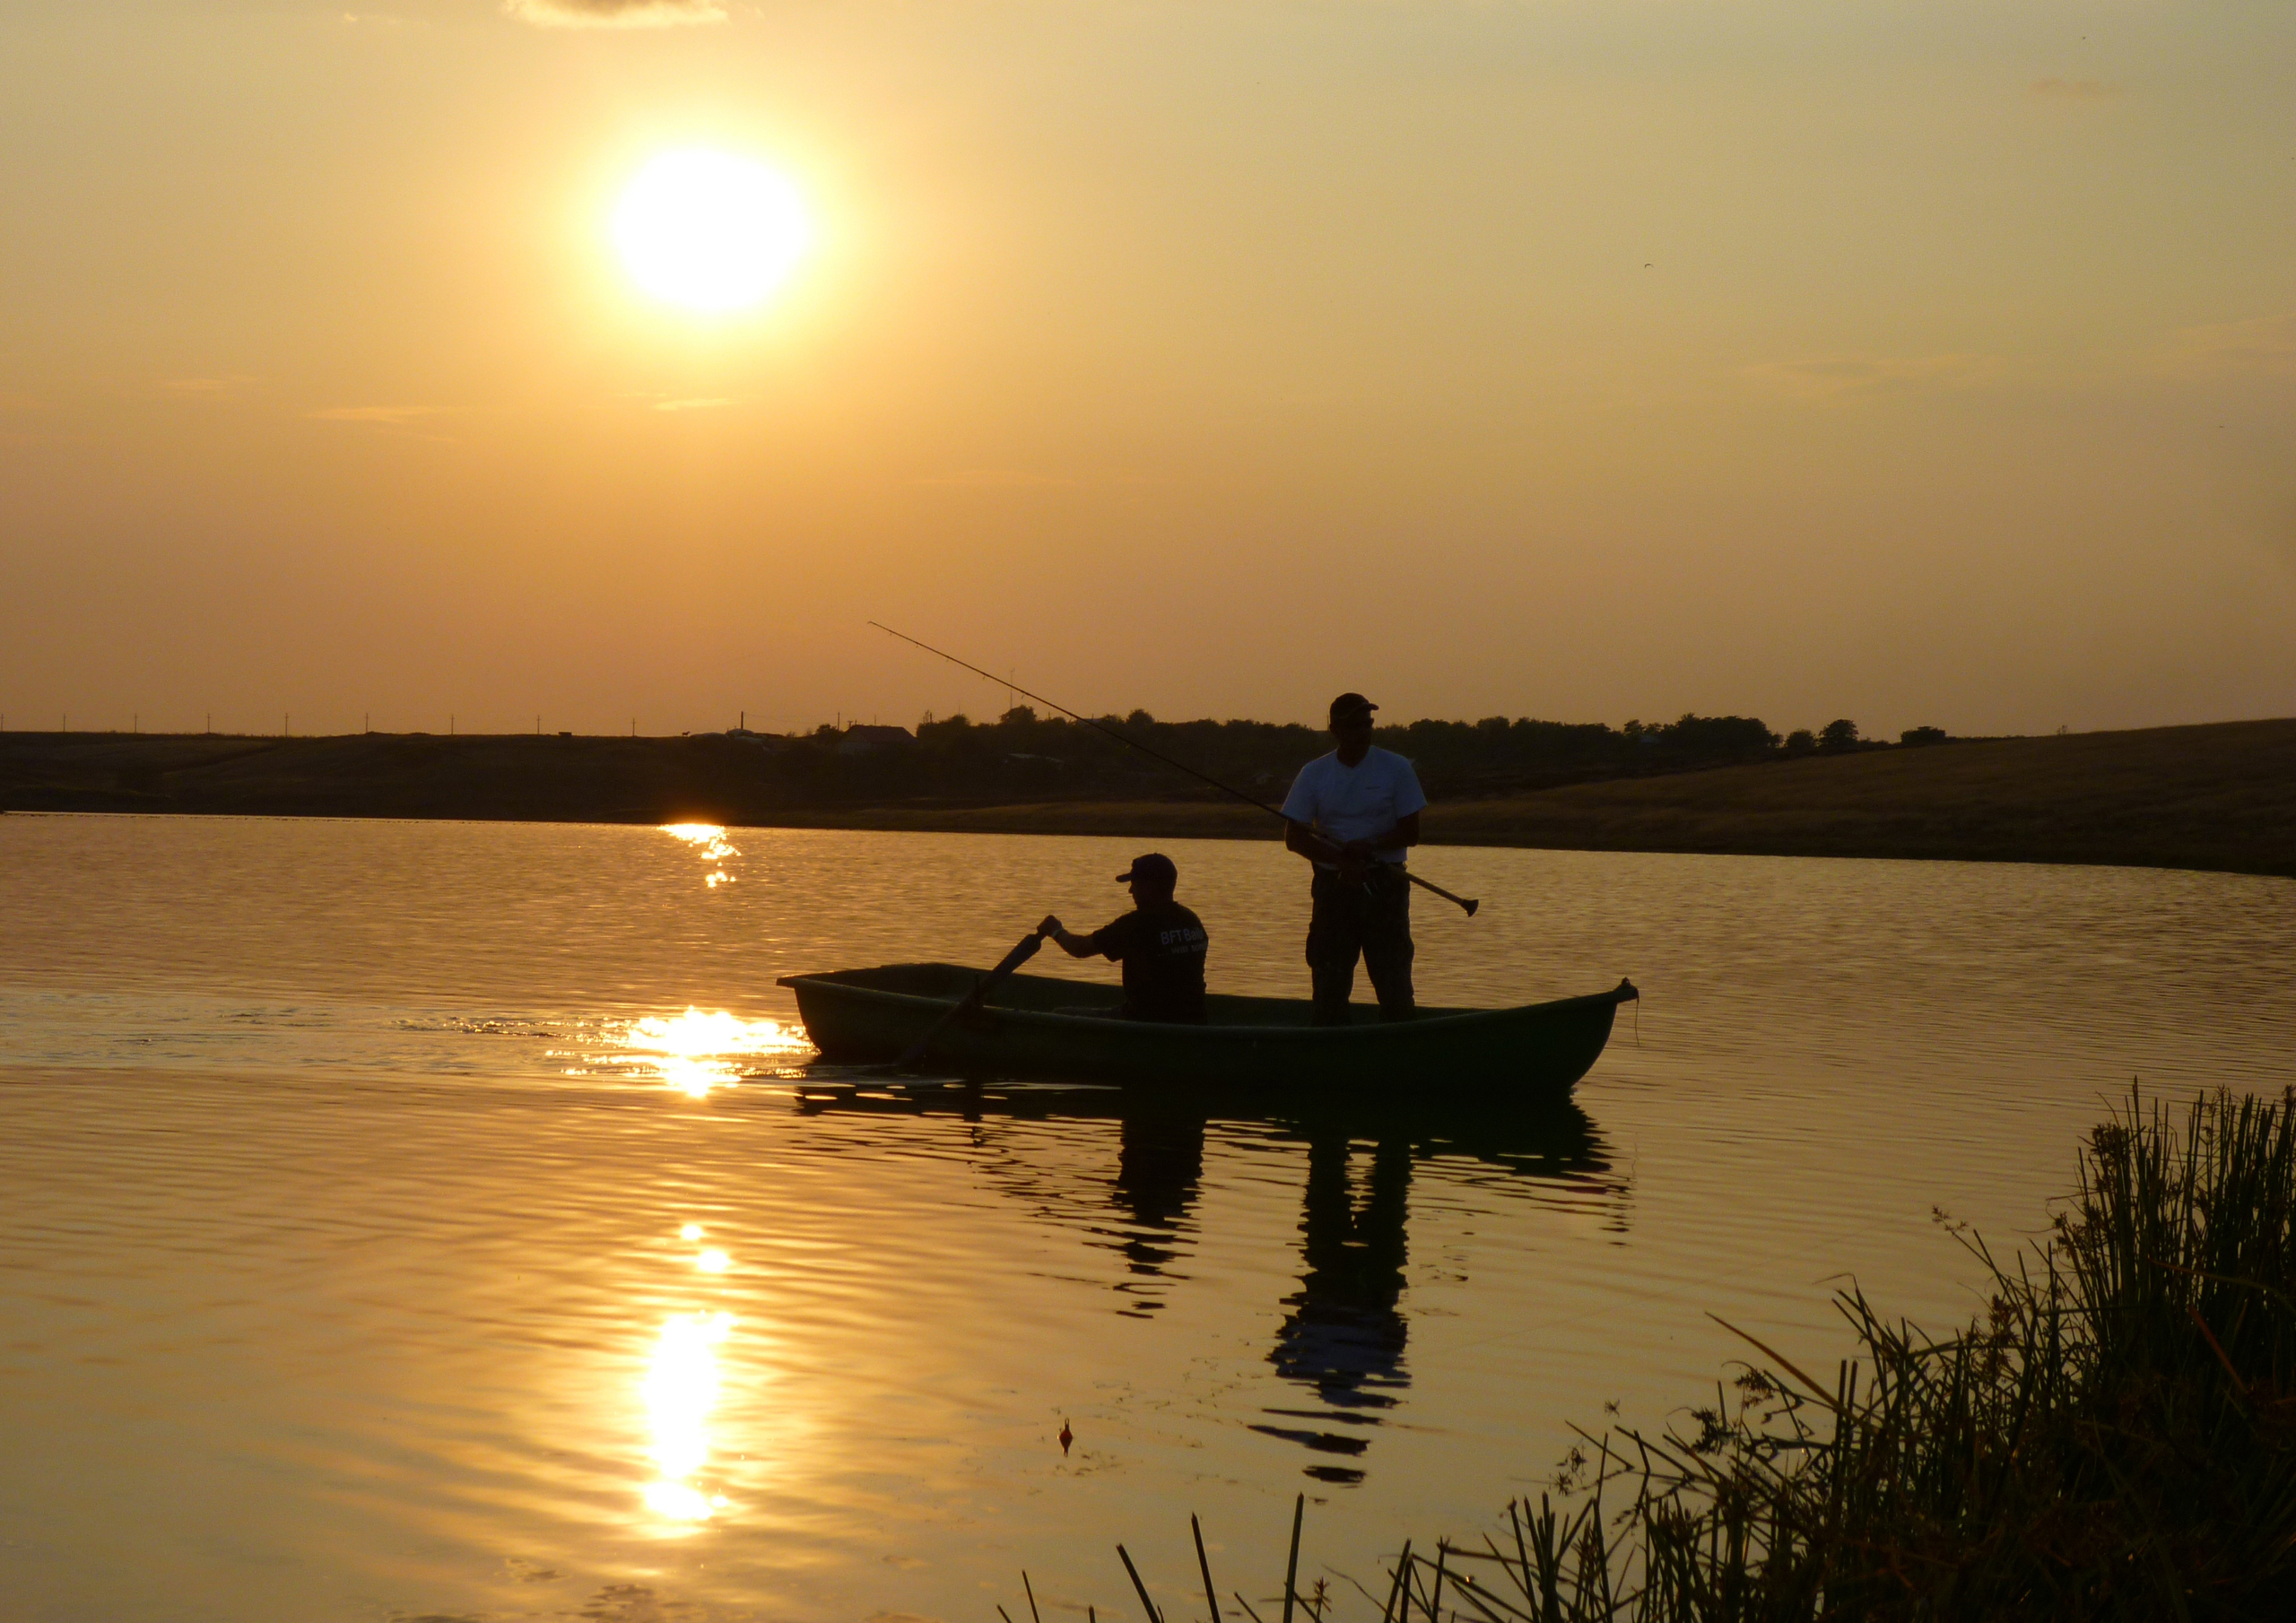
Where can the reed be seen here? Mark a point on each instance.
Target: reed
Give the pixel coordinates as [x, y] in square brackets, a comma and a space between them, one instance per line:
[2113, 1438]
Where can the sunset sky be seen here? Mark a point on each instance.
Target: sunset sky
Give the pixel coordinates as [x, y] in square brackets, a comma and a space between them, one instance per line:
[1920, 361]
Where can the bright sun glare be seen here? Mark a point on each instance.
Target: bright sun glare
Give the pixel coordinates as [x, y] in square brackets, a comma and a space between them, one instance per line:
[709, 230]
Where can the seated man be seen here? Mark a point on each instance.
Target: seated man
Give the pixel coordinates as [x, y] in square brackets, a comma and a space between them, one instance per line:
[1160, 943]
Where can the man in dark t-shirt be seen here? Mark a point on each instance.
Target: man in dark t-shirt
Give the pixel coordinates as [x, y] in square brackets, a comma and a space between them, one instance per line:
[1160, 943]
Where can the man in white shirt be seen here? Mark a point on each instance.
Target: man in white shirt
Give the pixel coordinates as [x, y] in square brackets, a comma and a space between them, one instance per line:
[1353, 813]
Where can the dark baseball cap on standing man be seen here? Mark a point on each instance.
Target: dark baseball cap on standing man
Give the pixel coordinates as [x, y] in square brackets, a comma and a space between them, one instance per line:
[1155, 867]
[1347, 707]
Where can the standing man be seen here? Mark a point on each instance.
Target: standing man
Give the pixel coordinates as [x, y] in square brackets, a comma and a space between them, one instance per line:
[1160, 943]
[1353, 813]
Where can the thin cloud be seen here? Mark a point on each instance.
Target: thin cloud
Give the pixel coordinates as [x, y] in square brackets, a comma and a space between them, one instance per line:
[208, 388]
[393, 415]
[1833, 377]
[995, 479]
[2075, 90]
[614, 14]
[2263, 347]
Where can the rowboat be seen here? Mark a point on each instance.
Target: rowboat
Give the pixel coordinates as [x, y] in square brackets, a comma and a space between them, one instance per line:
[1040, 1026]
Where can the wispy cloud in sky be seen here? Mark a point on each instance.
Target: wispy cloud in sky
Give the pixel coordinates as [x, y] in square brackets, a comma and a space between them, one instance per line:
[1832, 376]
[208, 388]
[2263, 347]
[997, 479]
[395, 416]
[614, 14]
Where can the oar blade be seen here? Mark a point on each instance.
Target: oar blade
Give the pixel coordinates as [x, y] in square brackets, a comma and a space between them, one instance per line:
[1011, 960]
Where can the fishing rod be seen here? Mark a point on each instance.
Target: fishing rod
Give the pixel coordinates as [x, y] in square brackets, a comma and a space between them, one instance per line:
[1467, 902]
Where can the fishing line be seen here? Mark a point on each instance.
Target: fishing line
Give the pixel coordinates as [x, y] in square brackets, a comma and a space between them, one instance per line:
[1006, 681]
[1467, 904]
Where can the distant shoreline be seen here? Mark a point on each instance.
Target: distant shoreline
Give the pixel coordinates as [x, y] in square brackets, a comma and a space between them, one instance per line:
[2213, 798]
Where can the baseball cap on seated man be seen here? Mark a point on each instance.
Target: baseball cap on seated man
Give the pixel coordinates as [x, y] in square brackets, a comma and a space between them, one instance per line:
[1154, 869]
[1351, 706]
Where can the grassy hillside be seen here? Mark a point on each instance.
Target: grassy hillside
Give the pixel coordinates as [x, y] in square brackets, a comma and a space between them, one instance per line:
[2221, 796]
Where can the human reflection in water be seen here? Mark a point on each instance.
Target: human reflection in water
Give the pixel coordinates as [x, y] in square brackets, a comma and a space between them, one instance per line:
[1345, 1335]
[1160, 1164]
[1345, 1331]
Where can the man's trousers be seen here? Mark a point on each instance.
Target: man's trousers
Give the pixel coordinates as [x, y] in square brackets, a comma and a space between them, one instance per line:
[1371, 920]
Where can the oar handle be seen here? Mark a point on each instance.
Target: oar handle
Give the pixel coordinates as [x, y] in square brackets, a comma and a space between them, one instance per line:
[1468, 902]
[1021, 954]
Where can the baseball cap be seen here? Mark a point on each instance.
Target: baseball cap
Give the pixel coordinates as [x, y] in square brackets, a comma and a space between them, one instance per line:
[1348, 706]
[1154, 867]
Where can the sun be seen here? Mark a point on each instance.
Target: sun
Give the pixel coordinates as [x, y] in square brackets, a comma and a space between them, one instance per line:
[708, 231]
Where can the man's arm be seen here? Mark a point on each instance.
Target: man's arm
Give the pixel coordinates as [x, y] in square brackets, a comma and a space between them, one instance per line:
[1072, 944]
[1300, 838]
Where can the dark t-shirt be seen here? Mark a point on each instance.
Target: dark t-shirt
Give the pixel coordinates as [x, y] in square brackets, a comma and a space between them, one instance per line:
[1161, 948]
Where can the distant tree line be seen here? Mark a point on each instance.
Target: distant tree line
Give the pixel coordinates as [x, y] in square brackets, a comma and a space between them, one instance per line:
[1022, 755]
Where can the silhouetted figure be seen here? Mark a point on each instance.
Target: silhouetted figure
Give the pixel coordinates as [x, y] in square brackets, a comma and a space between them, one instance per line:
[1160, 943]
[1353, 813]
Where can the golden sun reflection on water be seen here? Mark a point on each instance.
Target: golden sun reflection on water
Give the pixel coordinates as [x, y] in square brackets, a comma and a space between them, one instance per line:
[697, 1051]
[679, 1390]
[710, 843]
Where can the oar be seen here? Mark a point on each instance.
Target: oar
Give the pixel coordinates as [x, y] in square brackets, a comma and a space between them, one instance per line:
[973, 999]
[1177, 766]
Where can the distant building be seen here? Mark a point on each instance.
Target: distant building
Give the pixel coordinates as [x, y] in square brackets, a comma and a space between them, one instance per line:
[860, 739]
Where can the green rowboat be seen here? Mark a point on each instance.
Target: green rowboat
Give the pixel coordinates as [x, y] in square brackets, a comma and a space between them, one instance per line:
[1035, 1025]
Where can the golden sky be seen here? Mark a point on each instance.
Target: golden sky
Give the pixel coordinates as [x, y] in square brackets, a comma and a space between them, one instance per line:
[1922, 361]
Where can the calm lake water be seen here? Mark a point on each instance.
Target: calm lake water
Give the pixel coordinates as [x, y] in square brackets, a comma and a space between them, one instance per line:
[424, 1221]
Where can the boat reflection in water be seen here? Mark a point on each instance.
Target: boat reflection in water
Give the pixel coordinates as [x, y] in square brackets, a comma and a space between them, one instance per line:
[1345, 1332]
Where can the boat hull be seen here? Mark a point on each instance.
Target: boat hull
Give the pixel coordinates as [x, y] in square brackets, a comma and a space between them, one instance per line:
[1037, 1026]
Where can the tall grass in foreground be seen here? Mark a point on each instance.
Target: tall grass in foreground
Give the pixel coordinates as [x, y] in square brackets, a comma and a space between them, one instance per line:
[2114, 1438]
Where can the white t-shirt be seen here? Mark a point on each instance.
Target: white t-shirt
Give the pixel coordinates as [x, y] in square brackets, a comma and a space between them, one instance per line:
[1354, 803]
